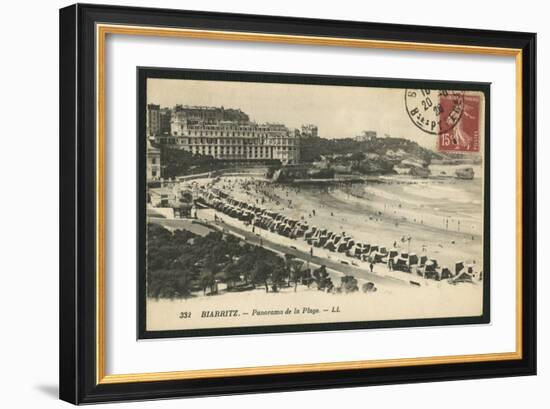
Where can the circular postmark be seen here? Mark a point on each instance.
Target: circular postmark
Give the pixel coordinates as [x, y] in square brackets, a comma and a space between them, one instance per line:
[434, 111]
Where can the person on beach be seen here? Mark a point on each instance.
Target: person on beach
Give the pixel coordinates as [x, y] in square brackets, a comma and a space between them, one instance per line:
[371, 266]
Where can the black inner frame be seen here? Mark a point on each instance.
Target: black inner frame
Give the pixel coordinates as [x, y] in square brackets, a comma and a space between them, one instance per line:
[77, 332]
[143, 73]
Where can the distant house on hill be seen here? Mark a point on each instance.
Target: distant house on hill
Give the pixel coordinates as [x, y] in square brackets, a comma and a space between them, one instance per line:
[366, 136]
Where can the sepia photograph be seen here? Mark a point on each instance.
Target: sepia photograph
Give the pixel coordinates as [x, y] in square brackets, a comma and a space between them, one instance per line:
[286, 202]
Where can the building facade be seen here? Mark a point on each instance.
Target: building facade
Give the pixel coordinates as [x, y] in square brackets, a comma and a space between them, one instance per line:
[238, 140]
[153, 162]
[208, 114]
[310, 131]
[228, 134]
[158, 120]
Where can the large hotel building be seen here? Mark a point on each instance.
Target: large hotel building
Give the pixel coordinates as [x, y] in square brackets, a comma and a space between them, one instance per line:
[226, 134]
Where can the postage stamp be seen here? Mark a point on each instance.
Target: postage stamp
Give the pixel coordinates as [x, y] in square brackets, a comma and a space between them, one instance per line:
[464, 135]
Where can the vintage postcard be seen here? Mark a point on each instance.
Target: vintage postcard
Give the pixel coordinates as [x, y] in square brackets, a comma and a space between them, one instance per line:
[282, 202]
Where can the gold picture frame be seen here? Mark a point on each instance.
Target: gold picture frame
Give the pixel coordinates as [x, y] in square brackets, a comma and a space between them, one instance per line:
[100, 20]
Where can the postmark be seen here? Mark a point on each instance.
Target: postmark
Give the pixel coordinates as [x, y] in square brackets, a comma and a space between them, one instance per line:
[434, 111]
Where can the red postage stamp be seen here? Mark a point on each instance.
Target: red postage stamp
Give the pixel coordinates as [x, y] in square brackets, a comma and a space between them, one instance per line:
[464, 135]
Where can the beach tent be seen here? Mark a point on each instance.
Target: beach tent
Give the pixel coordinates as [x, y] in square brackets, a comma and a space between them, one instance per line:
[446, 273]
[463, 277]
[431, 269]
[423, 260]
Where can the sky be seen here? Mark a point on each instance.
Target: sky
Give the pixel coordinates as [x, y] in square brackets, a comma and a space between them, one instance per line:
[338, 111]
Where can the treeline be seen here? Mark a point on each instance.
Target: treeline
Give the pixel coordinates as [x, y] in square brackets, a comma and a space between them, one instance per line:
[311, 149]
[178, 162]
[181, 262]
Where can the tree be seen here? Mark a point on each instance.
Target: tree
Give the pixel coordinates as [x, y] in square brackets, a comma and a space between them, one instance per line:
[232, 274]
[209, 274]
[207, 281]
[178, 162]
[296, 272]
[278, 276]
[356, 158]
[169, 284]
[321, 276]
[307, 277]
[260, 274]
[245, 265]
[349, 284]
[288, 265]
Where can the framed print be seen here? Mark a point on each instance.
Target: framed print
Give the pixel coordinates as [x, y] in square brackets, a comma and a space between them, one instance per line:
[288, 230]
[358, 199]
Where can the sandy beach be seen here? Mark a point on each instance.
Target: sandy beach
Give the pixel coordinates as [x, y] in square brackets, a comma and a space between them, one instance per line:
[383, 213]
